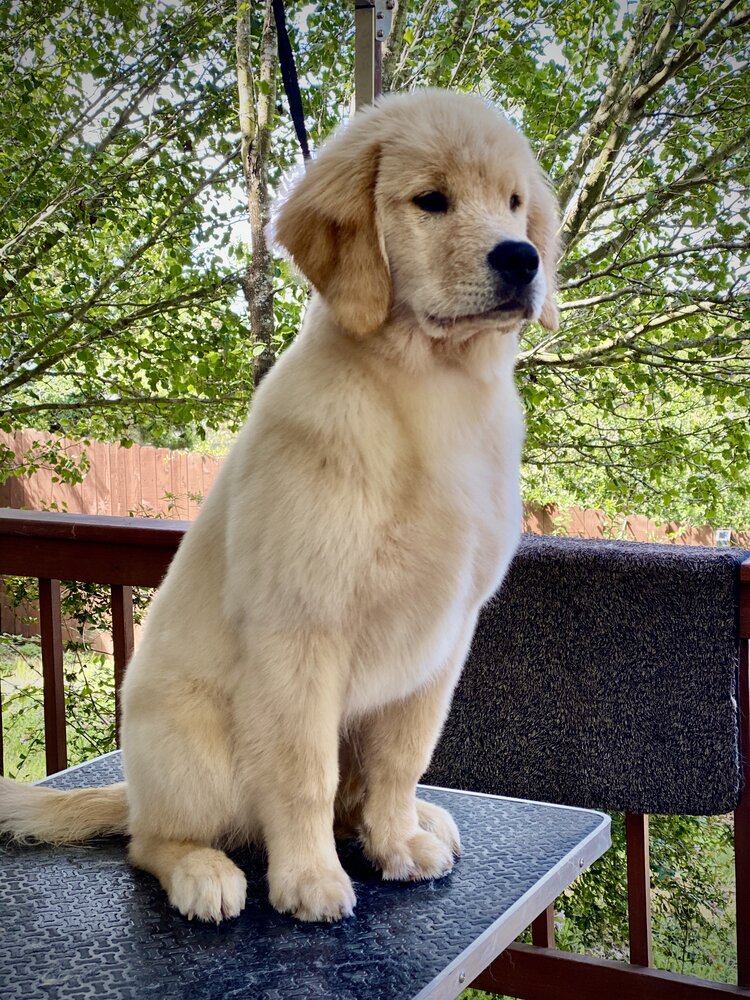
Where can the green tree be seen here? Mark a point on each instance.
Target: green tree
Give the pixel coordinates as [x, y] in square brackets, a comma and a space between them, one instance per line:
[116, 160]
[121, 177]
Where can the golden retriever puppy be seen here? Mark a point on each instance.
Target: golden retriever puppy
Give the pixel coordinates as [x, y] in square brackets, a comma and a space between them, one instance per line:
[299, 659]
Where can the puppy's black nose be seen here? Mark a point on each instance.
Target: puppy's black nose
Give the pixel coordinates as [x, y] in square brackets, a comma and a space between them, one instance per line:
[516, 262]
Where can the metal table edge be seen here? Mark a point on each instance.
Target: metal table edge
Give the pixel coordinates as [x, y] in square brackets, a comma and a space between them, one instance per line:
[505, 798]
[459, 974]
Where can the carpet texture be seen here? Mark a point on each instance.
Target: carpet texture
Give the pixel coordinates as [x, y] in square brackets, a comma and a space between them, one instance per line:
[603, 675]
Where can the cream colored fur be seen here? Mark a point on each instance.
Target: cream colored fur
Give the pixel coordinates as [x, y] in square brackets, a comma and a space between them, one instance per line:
[300, 656]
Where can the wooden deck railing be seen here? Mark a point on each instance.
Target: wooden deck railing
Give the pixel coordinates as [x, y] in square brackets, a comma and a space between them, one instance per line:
[127, 552]
[120, 552]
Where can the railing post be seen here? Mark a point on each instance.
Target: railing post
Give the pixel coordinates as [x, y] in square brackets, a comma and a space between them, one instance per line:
[742, 813]
[2, 761]
[639, 889]
[543, 928]
[50, 624]
[122, 640]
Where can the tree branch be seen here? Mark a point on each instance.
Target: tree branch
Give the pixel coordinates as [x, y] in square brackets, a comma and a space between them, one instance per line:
[619, 265]
[662, 198]
[97, 335]
[109, 404]
[394, 45]
[629, 108]
[107, 283]
[420, 30]
[604, 113]
[593, 356]
[257, 108]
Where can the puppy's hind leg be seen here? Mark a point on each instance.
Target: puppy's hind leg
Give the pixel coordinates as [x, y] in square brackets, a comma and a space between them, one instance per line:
[182, 791]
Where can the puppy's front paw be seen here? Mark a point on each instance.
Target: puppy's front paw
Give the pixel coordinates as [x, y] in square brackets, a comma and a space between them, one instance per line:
[207, 885]
[312, 894]
[440, 822]
[423, 855]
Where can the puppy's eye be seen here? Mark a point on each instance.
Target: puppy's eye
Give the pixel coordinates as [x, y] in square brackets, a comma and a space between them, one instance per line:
[515, 201]
[431, 201]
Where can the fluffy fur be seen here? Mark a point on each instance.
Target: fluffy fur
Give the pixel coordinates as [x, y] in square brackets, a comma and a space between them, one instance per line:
[299, 659]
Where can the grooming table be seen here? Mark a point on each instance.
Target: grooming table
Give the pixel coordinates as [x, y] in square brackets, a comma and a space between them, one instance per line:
[79, 922]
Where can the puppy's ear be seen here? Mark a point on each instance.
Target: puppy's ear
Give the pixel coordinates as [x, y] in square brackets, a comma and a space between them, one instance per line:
[541, 228]
[329, 227]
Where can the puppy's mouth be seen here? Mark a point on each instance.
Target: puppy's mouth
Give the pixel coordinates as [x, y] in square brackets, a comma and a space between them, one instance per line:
[505, 310]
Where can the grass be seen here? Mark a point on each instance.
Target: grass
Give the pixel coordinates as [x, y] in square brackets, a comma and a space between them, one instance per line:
[89, 697]
[23, 716]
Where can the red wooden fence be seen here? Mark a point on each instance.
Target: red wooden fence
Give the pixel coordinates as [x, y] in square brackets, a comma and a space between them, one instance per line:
[157, 482]
[139, 481]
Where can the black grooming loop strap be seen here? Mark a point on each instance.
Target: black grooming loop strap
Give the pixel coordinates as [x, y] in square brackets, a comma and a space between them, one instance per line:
[289, 77]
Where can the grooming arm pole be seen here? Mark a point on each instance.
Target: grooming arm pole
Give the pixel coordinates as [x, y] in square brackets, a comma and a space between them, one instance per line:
[372, 25]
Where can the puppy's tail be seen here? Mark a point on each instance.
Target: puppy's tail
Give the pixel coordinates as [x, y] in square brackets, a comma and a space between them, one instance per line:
[28, 812]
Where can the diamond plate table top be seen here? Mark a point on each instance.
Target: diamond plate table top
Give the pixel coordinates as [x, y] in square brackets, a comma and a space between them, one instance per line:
[79, 922]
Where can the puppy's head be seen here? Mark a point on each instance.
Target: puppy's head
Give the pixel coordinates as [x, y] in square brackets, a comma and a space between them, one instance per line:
[429, 205]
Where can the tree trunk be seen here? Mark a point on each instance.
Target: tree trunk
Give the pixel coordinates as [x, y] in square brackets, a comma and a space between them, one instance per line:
[257, 98]
[394, 45]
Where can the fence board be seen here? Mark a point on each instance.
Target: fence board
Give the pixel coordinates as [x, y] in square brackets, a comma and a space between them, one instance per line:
[119, 488]
[195, 485]
[101, 473]
[87, 490]
[178, 469]
[132, 470]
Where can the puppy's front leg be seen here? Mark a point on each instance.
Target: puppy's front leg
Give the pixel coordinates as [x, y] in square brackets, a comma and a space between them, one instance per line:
[404, 837]
[296, 759]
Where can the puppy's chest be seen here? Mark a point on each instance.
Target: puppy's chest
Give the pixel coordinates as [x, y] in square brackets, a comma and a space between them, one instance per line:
[432, 569]
[450, 530]
[488, 509]
[462, 518]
